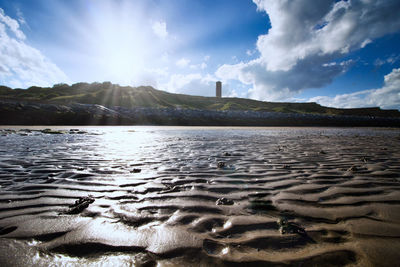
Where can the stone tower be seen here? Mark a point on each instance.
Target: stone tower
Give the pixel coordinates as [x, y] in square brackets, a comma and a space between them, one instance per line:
[218, 89]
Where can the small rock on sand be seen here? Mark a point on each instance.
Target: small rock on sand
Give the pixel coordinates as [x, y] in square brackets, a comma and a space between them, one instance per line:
[50, 131]
[224, 201]
[286, 227]
[221, 164]
[80, 204]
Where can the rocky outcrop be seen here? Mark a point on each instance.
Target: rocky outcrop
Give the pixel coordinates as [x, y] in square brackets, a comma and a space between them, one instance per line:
[31, 113]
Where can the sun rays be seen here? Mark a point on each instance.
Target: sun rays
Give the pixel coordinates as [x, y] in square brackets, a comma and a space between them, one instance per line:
[121, 40]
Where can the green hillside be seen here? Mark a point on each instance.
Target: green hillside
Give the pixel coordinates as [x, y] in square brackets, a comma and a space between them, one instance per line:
[108, 94]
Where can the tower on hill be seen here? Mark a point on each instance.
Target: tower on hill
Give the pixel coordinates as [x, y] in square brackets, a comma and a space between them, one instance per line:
[218, 89]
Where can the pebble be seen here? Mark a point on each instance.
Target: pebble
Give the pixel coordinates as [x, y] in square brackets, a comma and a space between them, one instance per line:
[221, 164]
[224, 201]
[81, 204]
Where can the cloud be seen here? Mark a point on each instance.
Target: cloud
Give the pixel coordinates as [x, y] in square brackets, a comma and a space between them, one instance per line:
[192, 84]
[230, 93]
[388, 60]
[250, 52]
[12, 24]
[160, 29]
[310, 27]
[21, 18]
[202, 66]
[282, 85]
[20, 64]
[152, 76]
[388, 96]
[183, 62]
[306, 42]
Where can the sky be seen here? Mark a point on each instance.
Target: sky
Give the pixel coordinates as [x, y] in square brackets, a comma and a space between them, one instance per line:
[337, 53]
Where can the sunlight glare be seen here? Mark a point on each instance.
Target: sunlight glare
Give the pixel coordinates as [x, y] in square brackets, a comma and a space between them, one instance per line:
[121, 40]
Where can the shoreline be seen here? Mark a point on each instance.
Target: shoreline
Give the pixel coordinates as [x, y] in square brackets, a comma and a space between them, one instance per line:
[190, 127]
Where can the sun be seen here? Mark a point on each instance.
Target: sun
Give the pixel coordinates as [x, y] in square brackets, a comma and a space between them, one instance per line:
[122, 53]
[120, 41]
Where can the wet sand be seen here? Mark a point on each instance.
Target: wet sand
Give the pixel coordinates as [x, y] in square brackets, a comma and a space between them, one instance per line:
[187, 196]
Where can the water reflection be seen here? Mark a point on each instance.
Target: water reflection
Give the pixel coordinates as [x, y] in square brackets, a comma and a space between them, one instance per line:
[161, 190]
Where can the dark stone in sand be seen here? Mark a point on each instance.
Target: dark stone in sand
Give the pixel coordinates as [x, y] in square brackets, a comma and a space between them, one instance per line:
[136, 170]
[227, 154]
[81, 204]
[322, 152]
[77, 131]
[221, 164]
[286, 227]
[224, 201]
[50, 131]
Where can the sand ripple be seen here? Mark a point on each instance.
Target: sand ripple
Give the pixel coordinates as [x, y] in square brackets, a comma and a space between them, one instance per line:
[292, 196]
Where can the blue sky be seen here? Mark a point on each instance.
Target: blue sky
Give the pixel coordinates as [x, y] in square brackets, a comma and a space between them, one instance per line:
[336, 53]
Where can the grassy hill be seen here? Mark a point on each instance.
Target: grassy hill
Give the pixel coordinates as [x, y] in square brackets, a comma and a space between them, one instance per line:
[108, 94]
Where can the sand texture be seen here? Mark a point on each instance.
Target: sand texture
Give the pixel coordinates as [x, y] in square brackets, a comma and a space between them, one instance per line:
[154, 196]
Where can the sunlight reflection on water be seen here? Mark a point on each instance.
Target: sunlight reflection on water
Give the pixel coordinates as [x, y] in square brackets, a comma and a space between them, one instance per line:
[161, 188]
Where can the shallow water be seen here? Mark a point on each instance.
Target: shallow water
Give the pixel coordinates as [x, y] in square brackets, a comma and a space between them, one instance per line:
[306, 196]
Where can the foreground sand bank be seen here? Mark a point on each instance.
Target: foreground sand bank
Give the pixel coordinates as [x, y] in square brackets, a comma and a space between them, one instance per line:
[200, 197]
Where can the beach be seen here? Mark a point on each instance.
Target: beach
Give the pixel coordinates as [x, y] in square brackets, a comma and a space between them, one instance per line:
[199, 196]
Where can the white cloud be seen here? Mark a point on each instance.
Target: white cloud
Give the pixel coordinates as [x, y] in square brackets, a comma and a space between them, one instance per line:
[160, 29]
[20, 64]
[250, 52]
[306, 41]
[12, 24]
[21, 18]
[231, 93]
[309, 27]
[183, 62]
[281, 85]
[388, 96]
[388, 60]
[203, 65]
[192, 84]
[198, 66]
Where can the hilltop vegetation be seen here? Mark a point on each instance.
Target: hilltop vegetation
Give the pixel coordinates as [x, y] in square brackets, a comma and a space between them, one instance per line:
[111, 95]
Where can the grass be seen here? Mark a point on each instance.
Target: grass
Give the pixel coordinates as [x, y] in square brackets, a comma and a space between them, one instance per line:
[109, 94]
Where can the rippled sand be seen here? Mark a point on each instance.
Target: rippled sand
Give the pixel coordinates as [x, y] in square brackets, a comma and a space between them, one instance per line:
[280, 196]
